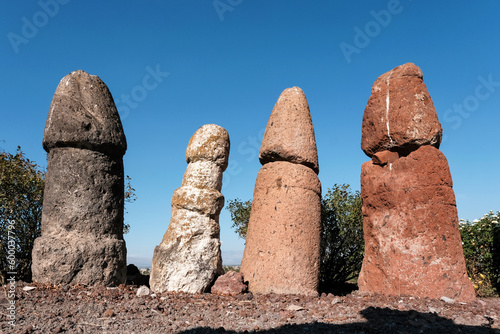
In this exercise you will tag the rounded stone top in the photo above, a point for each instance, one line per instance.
(210, 142)
(289, 133)
(400, 115)
(83, 114)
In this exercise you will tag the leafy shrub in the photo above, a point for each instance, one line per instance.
(481, 244)
(21, 195)
(231, 268)
(342, 242)
(240, 215)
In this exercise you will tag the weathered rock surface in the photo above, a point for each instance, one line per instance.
(229, 284)
(82, 219)
(83, 114)
(282, 245)
(412, 241)
(283, 240)
(400, 114)
(289, 133)
(189, 258)
(143, 291)
(385, 157)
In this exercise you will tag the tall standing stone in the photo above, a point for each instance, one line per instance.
(82, 219)
(412, 240)
(188, 258)
(283, 239)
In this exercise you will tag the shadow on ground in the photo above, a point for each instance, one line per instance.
(339, 289)
(378, 320)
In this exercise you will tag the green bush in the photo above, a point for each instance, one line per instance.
(21, 195)
(342, 242)
(481, 244)
(240, 215)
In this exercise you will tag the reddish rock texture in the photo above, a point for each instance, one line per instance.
(229, 284)
(282, 244)
(400, 114)
(384, 157)
(289, 133)
(412, 241)
(283, 240)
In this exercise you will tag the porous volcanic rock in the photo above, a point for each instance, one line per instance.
(229, 284)
(410, 222)
(384, 157)
(400, 115)
(82, 219)
(189, 259)
(289, 134)
(412, 241)
(283, 240)
(83, 114)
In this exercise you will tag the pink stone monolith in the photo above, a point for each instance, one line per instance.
(283, 240)
(410, 222)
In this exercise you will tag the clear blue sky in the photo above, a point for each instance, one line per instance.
(228, 65)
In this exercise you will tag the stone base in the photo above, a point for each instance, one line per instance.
(412, 242)
(189, 257)
(72, 259)
(283, 241)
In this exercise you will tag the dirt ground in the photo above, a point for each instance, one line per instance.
(78, 309)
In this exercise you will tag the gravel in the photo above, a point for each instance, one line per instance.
(80, 309)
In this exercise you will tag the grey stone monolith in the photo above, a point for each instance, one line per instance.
(81, 238)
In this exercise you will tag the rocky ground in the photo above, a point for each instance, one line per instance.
(79, 309)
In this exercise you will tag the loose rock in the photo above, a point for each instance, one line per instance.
(229, 284)
(447, 300)
(143, 291)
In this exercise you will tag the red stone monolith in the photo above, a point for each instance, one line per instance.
(412, 242)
